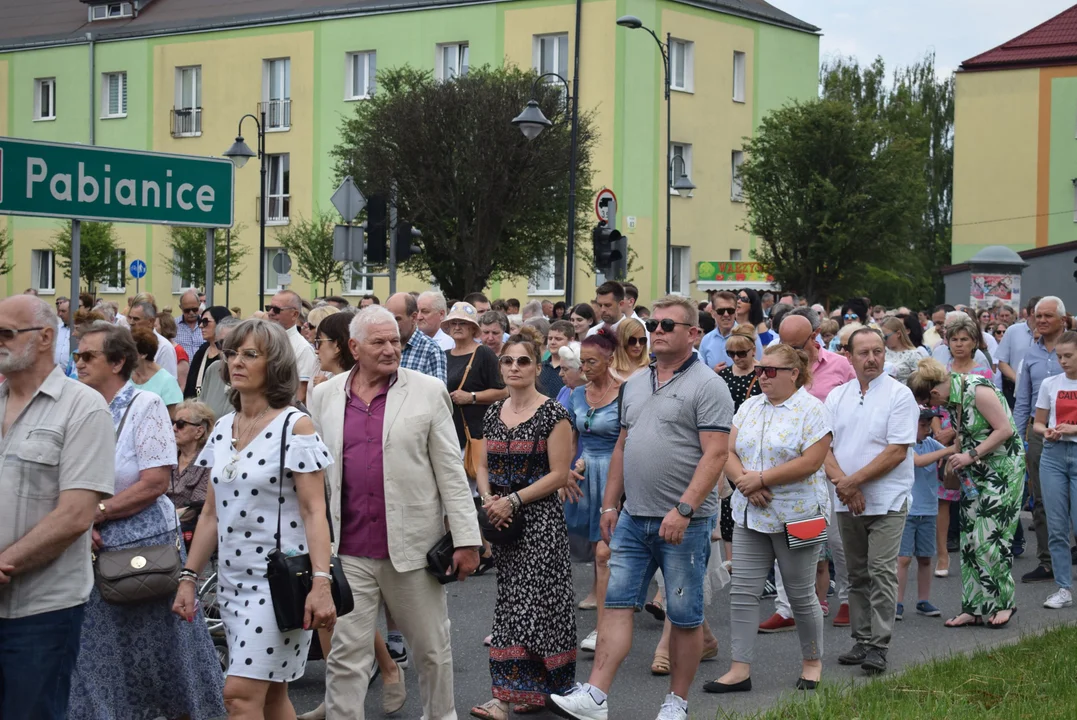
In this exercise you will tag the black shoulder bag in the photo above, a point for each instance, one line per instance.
(290, 576)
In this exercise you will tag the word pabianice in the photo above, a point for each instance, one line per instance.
(123, 191)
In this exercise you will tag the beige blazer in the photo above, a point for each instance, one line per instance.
(424, 474)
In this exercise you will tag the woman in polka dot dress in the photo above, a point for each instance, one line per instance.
(239, 519)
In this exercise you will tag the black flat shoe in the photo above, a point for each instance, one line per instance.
(716, 687)
(486, 562)
(803, 684)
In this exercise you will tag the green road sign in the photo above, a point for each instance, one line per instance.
(85, 182)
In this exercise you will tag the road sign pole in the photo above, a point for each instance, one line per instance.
(76, 264)
(392, 243)
(211, 255)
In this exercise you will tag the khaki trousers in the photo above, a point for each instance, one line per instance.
(418, 605)
(871, 552)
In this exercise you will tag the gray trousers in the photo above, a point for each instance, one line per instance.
(754, 553)
(872, 543)
(1039, 513)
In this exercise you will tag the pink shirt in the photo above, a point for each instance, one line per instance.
(830, 371)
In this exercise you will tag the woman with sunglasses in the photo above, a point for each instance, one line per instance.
(208, 353)
(523, 462)
(187, 491)
(583, 319)
(750, 312)
(630, 355)
(901, 354)
(331, 346)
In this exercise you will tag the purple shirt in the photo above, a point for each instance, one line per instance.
(362, 497)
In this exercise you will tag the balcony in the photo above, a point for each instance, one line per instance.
(278, 114)
(186, 122)
(277, 207)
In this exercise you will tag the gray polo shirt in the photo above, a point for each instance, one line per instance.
(662, 447)
(63, 440)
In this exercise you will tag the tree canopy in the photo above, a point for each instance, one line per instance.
(310, 243)
(97, 254)
(186, 256)
(5, 246)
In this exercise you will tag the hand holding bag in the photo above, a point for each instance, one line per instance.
(515, 529)
(439, 560)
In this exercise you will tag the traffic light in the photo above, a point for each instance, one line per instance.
(403, 241)
(619, 257)
(611, 252)
(377, 247)
(603, 248)
(1075, 271)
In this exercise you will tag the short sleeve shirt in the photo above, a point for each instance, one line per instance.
(483, 375)
(305, 360)
(1059, 395)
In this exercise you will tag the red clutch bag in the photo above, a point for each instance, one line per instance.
(804, 533)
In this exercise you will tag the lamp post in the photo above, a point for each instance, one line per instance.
(634, 23)
(239, 154)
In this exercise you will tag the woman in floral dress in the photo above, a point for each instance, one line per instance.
(527, 451)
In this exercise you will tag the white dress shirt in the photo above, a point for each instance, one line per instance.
(306, 361)
(445, 341)
(863, 426)
(166, 354)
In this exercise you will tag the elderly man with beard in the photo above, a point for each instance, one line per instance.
(874, 418)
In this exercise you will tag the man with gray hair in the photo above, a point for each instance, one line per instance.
(532, 309)
(56, 465)
(418, 352)
(144, 313)
(432, 310)
(188, 333)
(286, 310)
(214, 390)
(395, 476)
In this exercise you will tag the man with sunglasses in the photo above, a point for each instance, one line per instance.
(284, 310)
(56, 465)
(712, 346)
(188, 332)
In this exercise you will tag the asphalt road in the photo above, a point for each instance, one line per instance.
(636, 694)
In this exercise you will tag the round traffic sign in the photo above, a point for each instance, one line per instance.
(605, 195)
(282, 262)
(138, 269)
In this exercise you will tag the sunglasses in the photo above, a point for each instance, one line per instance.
(739, 354)
(667, 325)
(247, 355)
(204, 322)
(851, 316)
(524, 361)
(769, 371)
(181, 424)
(274, 310)
(1000, 331)
(587, 420)
(86, 356)
(8, 334)
(725, 311)
(743, 299)
(189, 310)
(634, 341)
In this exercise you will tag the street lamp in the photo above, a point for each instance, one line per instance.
(681, 182)
(634, 23)
(532, 122)
(239, 154)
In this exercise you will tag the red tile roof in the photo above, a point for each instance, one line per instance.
(1052, 43)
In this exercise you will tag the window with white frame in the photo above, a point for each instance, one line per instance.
(277, 93)
(551, 279)
(45, 99)
(188, 107)
(681, 269)
(452, 61)
(550, 54)
(117, 276)
(111, 11)
(272, 279)
(736, 184)
(361, 75)
(740, 75)
(680, 65)
(278, 183)
(355, 283)
(114, 95)
(42, 270)
(735, 255)
(680, 162)
(179, 282)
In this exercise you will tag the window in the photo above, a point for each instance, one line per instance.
(361, 71)
(356, 283)
(179, 282)
(735, 255)
(551, 279)
(42, 270)
(277, 189)
(681, 269)
(45, 99)
(452, 61)
(680, 65)
(740, 70)
(276, 93)
(187, 113)
(273, 283)
(114, 95)
(680, 156)
(111, 11)
(117, 278)
(551, 54)
(737, 188)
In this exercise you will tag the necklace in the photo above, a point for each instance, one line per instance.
(229, 473)
(598, 403)
(520, 411)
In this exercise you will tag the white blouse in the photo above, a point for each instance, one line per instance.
(146, 441)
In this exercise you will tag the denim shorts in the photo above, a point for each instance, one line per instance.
(637, 551)
(918, 539)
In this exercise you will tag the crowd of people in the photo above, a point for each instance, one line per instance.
(749, 440)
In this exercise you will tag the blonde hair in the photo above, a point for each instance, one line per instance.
(315, 316)
(744, 335)
(795, 358)
(828, 327)
(691, 312)
(846, 332)
(622, 364)
(928, 373)
(201, 414)
(895, 325)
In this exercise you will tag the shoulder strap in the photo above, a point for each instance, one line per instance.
(280, 484)
(468, 368)
(748, 394)
(123, 420)
(201, 373)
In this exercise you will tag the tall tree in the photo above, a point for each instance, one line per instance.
(490, 204)
(5, 247)
(828, 196)
(97, 254)
(310, 243)
(186, 256)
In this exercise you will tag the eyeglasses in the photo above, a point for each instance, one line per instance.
(523, 361)
(739, 354)
(181, 424)
(86, 356)
(204, 322)
(634, 341)
(274, 310)
(247, 355)
(725, 311)
(189, 310)
(769, 371)
(667, 325)
(8, 334)
(317, 343)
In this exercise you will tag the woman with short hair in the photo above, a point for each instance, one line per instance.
(742, 382)
(150, 376)
(630, 355)
(192, 422)
(571, 371)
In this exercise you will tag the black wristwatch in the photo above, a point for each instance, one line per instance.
(686, 510)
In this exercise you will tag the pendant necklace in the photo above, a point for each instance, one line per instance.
(230, 470)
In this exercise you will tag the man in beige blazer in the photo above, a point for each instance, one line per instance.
(396, 475)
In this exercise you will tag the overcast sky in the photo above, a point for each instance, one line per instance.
(901, 31)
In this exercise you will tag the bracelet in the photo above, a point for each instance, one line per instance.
(325, 575)
(189, 578)
(188, 573)
(516, 501)
(606, 510)
(762, 482)
(489, 496)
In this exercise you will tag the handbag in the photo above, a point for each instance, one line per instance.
(140, 574)
(291, 576)
(515, 529)
(471, 448)
(439, 559)
(805, 533)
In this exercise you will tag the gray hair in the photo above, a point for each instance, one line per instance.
(437, 297)
(147, 309)
(281, 373)
(117, 345)
(532, 309)
(106, 311)
(296, 299)
(1056, 300)
(806, 312)
(44, 316)
(777, 312)
(958, 321)
(494, 317)
(225, 326)
(539, 323)
(371, 315)
(570, 355)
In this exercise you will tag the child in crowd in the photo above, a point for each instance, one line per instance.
(918, 539)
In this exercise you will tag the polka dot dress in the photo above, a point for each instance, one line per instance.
(246, 526)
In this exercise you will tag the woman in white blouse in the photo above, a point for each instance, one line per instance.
(777, 446)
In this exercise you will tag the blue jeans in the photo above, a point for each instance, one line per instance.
(1058, 486)
(636, 552)
(37, 656)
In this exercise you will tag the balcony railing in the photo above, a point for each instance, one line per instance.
(278, 114)
(186, 122)
(277, 207)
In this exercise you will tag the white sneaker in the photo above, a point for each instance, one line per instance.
(1060, 599)
(672, 709)
(578, 704)
(590, 641)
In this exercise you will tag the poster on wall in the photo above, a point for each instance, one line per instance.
(986, 290)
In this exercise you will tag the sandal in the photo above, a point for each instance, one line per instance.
(527, 708)
(588, 604)
(660, 664)
(486, 562)
(655, 608)
(999, 626)
(977, 621)
(709, 654)
(491, 710)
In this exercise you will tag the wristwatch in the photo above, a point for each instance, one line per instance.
(686, 510)
(474, 400)
(102, 509)
(974, 454)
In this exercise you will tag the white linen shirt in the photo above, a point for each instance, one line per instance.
(166, 354)
(863, 426)
(444, 340)
(306, 361)
(772, 435)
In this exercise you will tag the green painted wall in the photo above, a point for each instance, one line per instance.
(786, 68)
(134, 131)
(1061, 227)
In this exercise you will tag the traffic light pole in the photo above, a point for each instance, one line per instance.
(570, 246)
(391, 236)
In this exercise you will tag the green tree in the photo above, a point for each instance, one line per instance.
(829, 196)
(186, 256)
(5, 247)
(97, 254)
(310, 243)
(490, 204)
